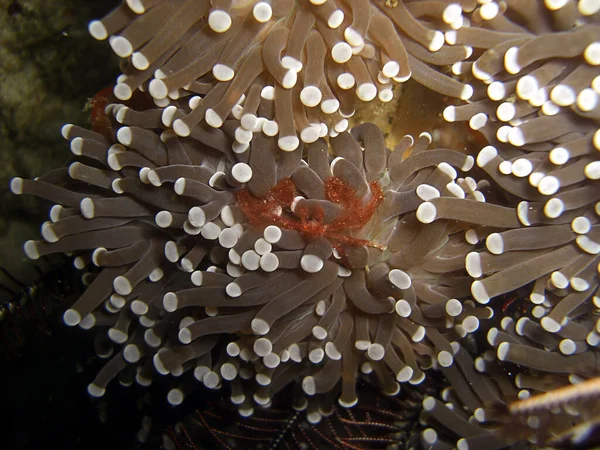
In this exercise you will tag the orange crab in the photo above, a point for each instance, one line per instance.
(275, 208)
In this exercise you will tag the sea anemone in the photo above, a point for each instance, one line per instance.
(319, 264)
(538, 117)
(536, 79)
(243, 236)
(292, 69)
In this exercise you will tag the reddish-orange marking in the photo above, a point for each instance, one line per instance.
(100, 121)
(275, 209)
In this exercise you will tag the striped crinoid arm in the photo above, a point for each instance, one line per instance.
(562, 417)
(379, 421)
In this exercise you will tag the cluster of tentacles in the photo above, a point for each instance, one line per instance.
(248, 239)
